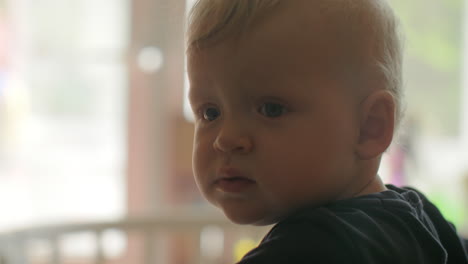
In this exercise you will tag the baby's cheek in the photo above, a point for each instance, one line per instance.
(202, 160)
(199, 164)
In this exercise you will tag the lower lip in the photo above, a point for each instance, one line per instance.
(234, 186)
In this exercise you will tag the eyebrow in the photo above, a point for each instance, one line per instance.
(195, 93)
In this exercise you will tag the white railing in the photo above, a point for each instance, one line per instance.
(14, 246)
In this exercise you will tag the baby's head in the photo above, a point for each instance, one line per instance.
(295, 101)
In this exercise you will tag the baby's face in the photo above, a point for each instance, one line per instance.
(274, 129)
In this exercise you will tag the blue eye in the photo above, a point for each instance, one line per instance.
(272, 110)
(210, 113)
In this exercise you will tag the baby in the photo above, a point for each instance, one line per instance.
(295, 102)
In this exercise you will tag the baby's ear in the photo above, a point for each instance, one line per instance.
(377, 122)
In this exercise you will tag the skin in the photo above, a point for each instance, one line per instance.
(324, 145)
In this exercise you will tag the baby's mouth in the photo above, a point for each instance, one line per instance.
(231, 180)
(233, 184)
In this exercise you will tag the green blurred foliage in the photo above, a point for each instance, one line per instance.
(450, 207)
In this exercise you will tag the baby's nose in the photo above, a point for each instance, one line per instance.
(232, 140)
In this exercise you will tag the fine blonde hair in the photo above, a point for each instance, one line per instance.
(212, 20)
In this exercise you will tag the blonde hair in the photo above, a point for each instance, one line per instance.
(390, 63)
(212, 20)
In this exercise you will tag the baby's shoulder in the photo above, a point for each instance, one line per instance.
(380, 228)
(299, 242)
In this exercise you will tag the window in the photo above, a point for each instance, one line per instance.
(62, 110)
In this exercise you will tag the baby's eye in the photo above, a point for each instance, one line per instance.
(272, 109)
(210, 113)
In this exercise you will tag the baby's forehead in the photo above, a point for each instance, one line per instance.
(292, 31)
(236, 17)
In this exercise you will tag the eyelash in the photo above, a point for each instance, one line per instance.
(282, 109)
(202, 114)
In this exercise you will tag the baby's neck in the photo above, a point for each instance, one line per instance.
(374, 185)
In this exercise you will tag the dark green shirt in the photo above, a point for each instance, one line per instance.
(398, 225)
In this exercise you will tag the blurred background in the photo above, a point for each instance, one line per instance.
(95, 136)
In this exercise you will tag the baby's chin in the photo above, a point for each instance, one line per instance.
(242, 218)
